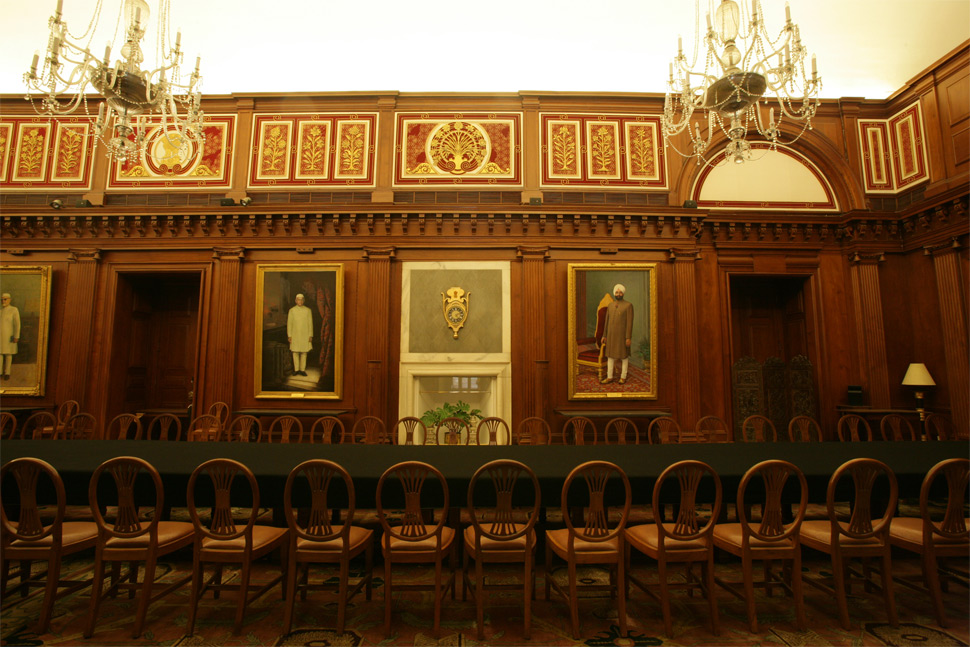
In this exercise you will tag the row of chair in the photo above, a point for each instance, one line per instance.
(215, 426)
(498, 532)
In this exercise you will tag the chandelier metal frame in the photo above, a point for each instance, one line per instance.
(136, 101)
(745, 71)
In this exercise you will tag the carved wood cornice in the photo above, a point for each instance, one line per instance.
(229, 253)
(84, 255)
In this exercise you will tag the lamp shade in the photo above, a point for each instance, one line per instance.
(917, 375)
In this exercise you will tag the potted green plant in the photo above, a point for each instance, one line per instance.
(432, 417)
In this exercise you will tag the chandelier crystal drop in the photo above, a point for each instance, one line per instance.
(136, 100)
(743, 79)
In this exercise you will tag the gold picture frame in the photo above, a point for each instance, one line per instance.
(26, 318)
(591, 291)
(280, 372)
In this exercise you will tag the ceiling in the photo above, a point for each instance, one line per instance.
(865, 48)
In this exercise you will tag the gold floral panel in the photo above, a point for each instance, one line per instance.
(323, 149)
(470, 149)
(40, 154)
(602, 150)
(170, 161)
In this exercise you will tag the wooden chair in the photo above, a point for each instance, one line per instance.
(204, 428)
(596, 542)
(66, 409)
(590, 350)
(323, 428)
(684, 541)
(165, 426)
(223, 541)
(772, 539)
(26, 539)
(245, 428)
(758, 429)
(620, 428)
(80, 426)
(124, 426)
(496, 432)
(854, 428)
(410, 431)
(579, 430)
(318, 541)
(663, 430)
(8, 425)
(284, 429)
(452, 431)
(533, 431)
(369, 430)
(893, 426)
(804, 429)
(38, 425)
(861, 536)
(130, 539)
(935, 541)
(416, 540)
(221, 411)
(497, 535)
(939, 427)
(711, 429)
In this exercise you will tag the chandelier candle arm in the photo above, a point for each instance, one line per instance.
(134, 99)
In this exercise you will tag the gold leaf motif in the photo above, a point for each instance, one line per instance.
(274, 152)
(135, 171)
(69, 162)
(31, 153)
(602, 147)
(203, 171)
(352, 150)
(313, 151)
(458, 148)
(641, 152)
(3, 143)
(491, 168)
(564, 150)
(422, 169)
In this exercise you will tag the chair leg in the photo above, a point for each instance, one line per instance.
(387, 596)
(342, 601)
(479, 598)
(50, 592)
(197, 576)
(548, 571)
(664, 597)
(838, 571)
(931, 575)
(145, 596)
(528, 591)
(4, 577)
(749, 592)
(712, 601)
(797, 592)
(290, 594)
(573, 602)
(621, 594)
(437, 596)
(243, 595)
(887, 587)
(97, 585)
(132, 579)
(369, 571)
(24, 576)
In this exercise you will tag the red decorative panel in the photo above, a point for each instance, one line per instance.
(586, 150)
(166, 163)
(876, 158)
(471, 149)
(326, 149)
(894, 151)
(909, 147)
(37, 154)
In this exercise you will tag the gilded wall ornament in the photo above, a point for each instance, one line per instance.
(454, 306)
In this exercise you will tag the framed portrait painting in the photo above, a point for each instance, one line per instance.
(24, 323)
(612, 331)
(299, 330)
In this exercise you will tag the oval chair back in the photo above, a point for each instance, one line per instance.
(324, 430)
(496, 432)
(804, 429)
(533, 431)
(758, 429)
(124, 426)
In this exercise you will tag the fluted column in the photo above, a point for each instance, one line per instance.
(688, 375)
(870, 328)
(533, 350)
(74, 363)
(217, 375)
(951, 292)
(376, 335)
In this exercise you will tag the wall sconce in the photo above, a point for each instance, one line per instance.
(245, 201)
(57, 204)
(917, 376)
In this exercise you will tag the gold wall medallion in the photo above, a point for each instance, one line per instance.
(454, 306)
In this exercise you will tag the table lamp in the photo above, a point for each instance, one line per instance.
(917, 376)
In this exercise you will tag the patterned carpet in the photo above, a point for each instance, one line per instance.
(315, 619)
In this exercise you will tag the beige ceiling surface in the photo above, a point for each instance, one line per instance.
(865, 48)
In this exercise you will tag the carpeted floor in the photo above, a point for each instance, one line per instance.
(315, 619)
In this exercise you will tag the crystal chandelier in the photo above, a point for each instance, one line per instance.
(135, 100)
(745, 72)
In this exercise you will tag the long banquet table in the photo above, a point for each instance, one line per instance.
(271, 463)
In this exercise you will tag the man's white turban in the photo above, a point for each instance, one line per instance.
(620, 287)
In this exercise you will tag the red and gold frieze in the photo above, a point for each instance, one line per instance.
(471, 149)
(40, 154)
(168, 161)
(324, 149)
(893, 151)
(602, 150)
